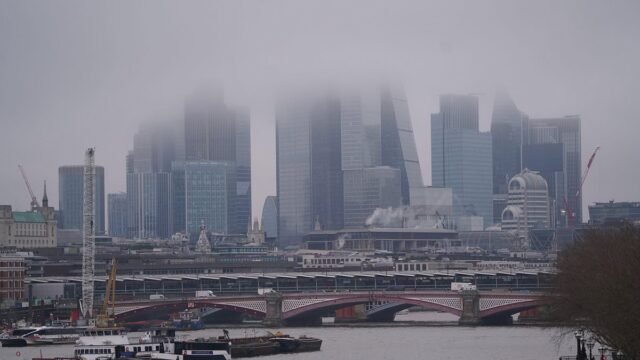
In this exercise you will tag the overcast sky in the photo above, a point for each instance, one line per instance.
(75, 74)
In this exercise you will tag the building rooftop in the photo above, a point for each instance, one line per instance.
(28, 217)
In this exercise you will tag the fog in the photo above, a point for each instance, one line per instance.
(75, 74)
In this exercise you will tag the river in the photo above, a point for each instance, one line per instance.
(392, 342)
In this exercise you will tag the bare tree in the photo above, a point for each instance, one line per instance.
(598, 288)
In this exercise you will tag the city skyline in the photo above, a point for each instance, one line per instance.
(105, 113)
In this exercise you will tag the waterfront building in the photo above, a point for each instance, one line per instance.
(12, 275)
(216, 131)
(602, 213)
(71, 197)
(527, 204)
(547, 142)
(270, 218)
(28, 229)
(384, 239)
(326, 141)
(117, 211)
(461, 156)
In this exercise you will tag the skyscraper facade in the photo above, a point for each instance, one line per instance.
(155, 147)
(71, 193)
(528, 204)
(270, 217)
(117, 211)
(215, 131)
(209, 196)
(461, 156)
(506, 137)
(326, 142)
(547, 142)
(148, 205)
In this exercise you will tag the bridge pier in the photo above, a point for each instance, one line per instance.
(470, 308)
(273, 315)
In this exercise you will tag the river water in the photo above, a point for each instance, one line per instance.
(391, 342)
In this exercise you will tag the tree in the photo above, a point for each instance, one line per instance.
(598, 288)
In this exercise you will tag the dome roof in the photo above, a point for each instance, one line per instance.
(529, 180)
(511, 212)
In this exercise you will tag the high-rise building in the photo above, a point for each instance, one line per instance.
(325, 141)
(461, 156)
(215, 131)
(506, 137)
(117, 211)
(148, 214)
(155, 147)
(71, 193)
(270, 218)
(368, 189)
(209, 196)
(527, 204)
(553, 147)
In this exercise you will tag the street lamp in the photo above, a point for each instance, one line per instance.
(602, 351)
(578, 334)
(590, 343)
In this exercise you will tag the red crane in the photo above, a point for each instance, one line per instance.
(34, 200)
(567, 209)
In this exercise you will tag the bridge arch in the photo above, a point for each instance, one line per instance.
(511, 308)
(253, 308)
(293, 308)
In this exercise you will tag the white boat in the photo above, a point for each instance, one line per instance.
(42, 335)
(197, 350)
(114, 343)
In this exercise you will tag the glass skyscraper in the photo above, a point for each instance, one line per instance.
(506, 136)
(71, 192)
(461, 156)
(326, 142)
(215, 131)
(208, 196)
(270, 217)
(117, 210)
(155, 147)
(550, 144)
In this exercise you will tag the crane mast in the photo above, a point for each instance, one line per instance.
(34, 200)
(567, 208)
(88, 235)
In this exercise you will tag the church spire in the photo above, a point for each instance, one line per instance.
(45, 199)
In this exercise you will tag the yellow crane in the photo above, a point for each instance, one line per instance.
(109, 303)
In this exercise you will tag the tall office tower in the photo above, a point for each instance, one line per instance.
(368, 189)
(326, 141)
(215, 131)
(117, 211)
(553, 148)
(270, 218)
(461, 156)
(71, 193)
(155, 147)
(506, 136)
(208, 195)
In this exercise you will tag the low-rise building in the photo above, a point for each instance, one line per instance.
(28, 229)
(12, 273)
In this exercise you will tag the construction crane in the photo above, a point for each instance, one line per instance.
(34, 200)
(567, 208)
(88, 235)
(104, 317)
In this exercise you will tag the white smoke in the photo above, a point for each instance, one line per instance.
(403, 217)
